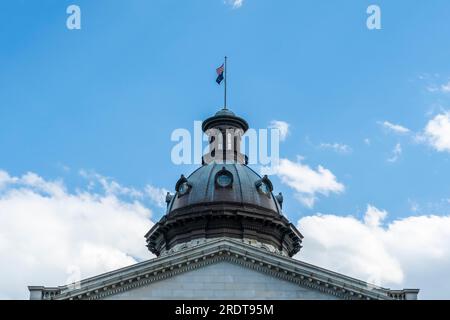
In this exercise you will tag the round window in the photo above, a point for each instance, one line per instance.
(264, 188)
(183, 188)
(224, 180)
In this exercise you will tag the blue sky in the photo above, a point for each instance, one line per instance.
(107, 97)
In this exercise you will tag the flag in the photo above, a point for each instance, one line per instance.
(220, 70)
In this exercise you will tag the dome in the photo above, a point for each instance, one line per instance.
(242, 189)
(224, 198)
(225, 112)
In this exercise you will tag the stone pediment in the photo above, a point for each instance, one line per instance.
(222, 255)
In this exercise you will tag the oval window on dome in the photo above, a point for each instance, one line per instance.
(224, 178)
(264, 186)
(184, 188)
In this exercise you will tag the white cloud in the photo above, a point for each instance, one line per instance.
(282, 127)
(234, 3)
(445, 87)
(409, 252)
(308, 183)
(374, 216)
(110, 186)
(435, 83)
(157, 195)
(367, 141)
(336, 147)
(396, 128)
(396, 153)
(5, 179)
(46, 232)
(432, 89)
(437, 132)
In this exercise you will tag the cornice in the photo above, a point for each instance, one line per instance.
(228, 250)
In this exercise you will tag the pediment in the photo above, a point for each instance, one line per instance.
(222, 280)
(202, 262)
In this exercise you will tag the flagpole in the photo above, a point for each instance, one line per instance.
(225, 94)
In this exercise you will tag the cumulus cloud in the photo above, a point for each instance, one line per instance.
(396, 128)
(396, 153)
(110, 186)
(336, 147)
(48, 233)
(234, 3)
(157, 195)
(441, 88)
(5, 179)
(282, 127)
(307, 182)
(437, 132)
(408, 252)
